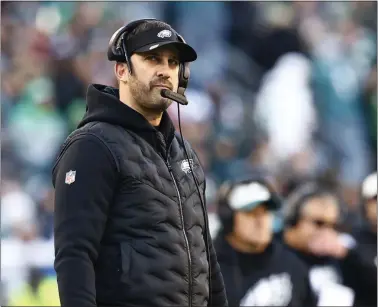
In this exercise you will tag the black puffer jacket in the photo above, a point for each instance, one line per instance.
(129, 225)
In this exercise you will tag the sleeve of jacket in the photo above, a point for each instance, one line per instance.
(80, 217)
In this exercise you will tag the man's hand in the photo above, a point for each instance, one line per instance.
(327, 243)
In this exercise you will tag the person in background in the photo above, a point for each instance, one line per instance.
(341, 66)
(38, 290)
(257, 270)
(357, 254)
(312, 214)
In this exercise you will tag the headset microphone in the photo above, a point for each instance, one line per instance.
(181, 99)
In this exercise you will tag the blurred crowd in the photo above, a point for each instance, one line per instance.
(280, 88)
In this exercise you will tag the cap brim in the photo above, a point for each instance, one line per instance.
(185, 52)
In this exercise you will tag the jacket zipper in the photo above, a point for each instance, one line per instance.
(184, 232)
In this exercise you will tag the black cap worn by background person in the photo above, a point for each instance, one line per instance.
(158, 37)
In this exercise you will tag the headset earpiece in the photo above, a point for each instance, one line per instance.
(293, 204)
(184, 73)
(114, 52)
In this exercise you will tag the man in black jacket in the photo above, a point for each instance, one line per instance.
(131, 225)
(358, 258)
(312, 217)
(257, 269)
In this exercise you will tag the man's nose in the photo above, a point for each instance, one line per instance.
(164, 70)
(163, 74)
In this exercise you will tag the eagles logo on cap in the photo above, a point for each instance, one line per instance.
(164, 33)
(158, 37)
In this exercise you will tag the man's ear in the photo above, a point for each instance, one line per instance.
(121, 72)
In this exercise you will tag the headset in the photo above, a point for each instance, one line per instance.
(291, 211)
(117, 51)
(226, 213)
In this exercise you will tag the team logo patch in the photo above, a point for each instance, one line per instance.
(185, 166)
(70, 177)
(274, 290)
(164, 33)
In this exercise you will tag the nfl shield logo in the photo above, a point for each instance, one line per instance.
(70, 177)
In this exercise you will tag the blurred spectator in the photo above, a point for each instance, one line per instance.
(359, 258)
(313, 212)
(39, 290)
(257, 269)
(18, 213)
(35, 127)
(46, 215)
(341, 66)
(195, 20)
(285, 111)
(370, 108)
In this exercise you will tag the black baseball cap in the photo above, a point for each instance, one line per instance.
(158, 37)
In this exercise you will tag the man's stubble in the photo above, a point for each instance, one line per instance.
(147, 97)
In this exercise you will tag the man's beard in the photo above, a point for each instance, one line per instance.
(147, 96)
